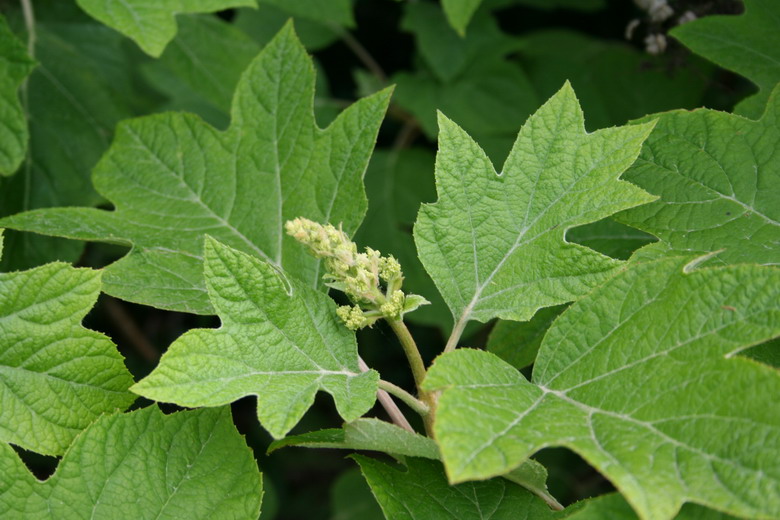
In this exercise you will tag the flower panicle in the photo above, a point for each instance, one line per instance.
(360, 276)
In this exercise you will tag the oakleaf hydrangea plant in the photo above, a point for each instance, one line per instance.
(600, 294)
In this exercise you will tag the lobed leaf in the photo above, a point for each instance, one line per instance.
(15, 66)
(494, 244)
(174, 178)
(717, 176)
(142, 465)
(56, 377)
(150, 23)
(641, 378)
(748, 44)
(280, 341)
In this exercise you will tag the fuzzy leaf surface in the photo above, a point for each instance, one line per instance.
(150, 23)
(56, 377)
(494, 244)
(280, 340)
(641, 379)
(142, 465)
(173, 178)
(748, 44)
(718, 179)
(422, 492)
(15, 66)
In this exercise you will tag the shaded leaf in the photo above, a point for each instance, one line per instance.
(173, 178)
(280, 341)
(610, 238)
(517, 342)
(56, 377)
(614, 81)
(337, 12)
(81, 88)
(421, 492)
(142, 465)
(15, 66)
(150, 23)
(718, 178)
(748, 44)
(351, 498)
(494, 244)
(641, 379)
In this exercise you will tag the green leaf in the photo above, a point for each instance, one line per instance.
(279, 340)
(142, 465)
(641, 379)
(337, 12)
(56, 377)
(173, 178)
(494, 244)
(459, 13)
(422, 492)
(81, 88)
(518, 342)
(365, 434)
(150, 23)
(748, 44)
(15, 66)
(718, 178)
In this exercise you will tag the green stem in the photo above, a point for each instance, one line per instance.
(410, 349)
(418, 370)
(29, 22)
(413, 403)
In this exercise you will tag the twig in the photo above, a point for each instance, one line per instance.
(413, 403)
(29, 22)
(457, 331)
(396, 415)
(125, 322)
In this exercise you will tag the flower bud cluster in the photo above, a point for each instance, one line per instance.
(361, 276)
